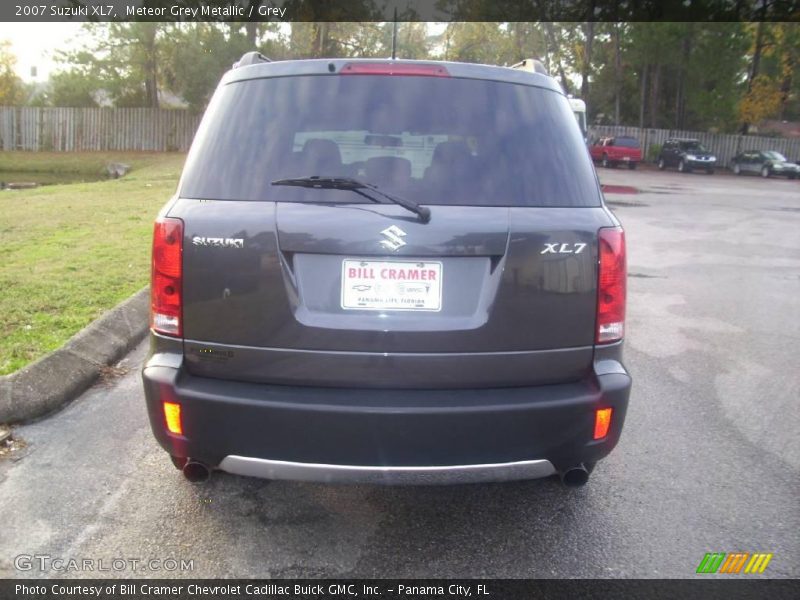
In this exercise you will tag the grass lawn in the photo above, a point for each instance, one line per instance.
(70, 252)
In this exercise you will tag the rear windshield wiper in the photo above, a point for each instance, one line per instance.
(359, 187)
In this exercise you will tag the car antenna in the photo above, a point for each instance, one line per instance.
(394, 35)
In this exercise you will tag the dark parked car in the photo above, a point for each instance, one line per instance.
(687, 155)
(387, 271)
(765, 163)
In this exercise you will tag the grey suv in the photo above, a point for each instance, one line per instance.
(387, 271)
(687, 154)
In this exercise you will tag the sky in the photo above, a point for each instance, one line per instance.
(34, 45)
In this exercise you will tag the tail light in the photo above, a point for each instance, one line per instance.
(394, 68)
(611, 286)
(166, 280)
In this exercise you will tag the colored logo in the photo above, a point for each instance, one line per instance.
(734, 562)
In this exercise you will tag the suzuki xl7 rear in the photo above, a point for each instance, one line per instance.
(387, 271)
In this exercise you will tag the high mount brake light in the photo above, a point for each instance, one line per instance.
(166, 282)
(391, 68)
(611, 282)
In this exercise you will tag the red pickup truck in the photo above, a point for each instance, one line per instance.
(611, 151)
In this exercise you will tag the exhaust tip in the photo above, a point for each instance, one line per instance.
(575, 476)
(196, 472)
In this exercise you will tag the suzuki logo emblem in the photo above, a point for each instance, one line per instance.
(394, 238)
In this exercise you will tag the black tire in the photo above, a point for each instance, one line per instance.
(710, 170)
(765, 172)
(632, 166)
(737, 170)
(661, 164)
(605, 162)
(792, 176)
(178, 461)
(683, 167)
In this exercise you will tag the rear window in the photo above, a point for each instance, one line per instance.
(626, 142)
(696, 146)
(430, 139)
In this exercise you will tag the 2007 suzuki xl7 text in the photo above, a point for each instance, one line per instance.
(387, 271)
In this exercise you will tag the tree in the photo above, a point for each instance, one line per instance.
(762, 100)
(528, 41)
(714, 76)
(126, 57)
(479, 42)
(613, 95)
(556, 53)
(412, 40)
(73, 88)
(195, 56)
(588, 31)
(11, 89)
(780, 61)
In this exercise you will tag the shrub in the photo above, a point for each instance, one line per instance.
(653, 151)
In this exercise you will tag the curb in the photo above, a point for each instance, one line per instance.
(61, 376)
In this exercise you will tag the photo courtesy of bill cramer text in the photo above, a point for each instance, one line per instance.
(394, 589)
(262, 590)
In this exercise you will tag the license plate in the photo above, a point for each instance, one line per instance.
(391, 285)
(626, 159)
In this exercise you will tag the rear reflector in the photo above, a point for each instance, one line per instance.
(612, 273)
(602, 421)
(172, 415)
(167, 277)
(391, 68)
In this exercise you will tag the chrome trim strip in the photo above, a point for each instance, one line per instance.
(436, 475)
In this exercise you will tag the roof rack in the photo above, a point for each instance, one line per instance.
(250, 58)
(532, 65)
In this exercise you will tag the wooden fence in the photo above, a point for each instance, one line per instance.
(76, 129)
(156, 129)
(724, 147)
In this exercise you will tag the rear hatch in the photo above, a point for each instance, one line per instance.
(316, 286)
(628, 149)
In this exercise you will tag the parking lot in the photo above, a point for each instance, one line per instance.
(709, 460)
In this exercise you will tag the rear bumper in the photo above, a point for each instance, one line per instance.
(702, 164)
(385, 436)
(279, 469)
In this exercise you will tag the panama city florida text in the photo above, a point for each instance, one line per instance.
(254, 589)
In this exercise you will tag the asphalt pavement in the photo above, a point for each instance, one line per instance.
(709, 459)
